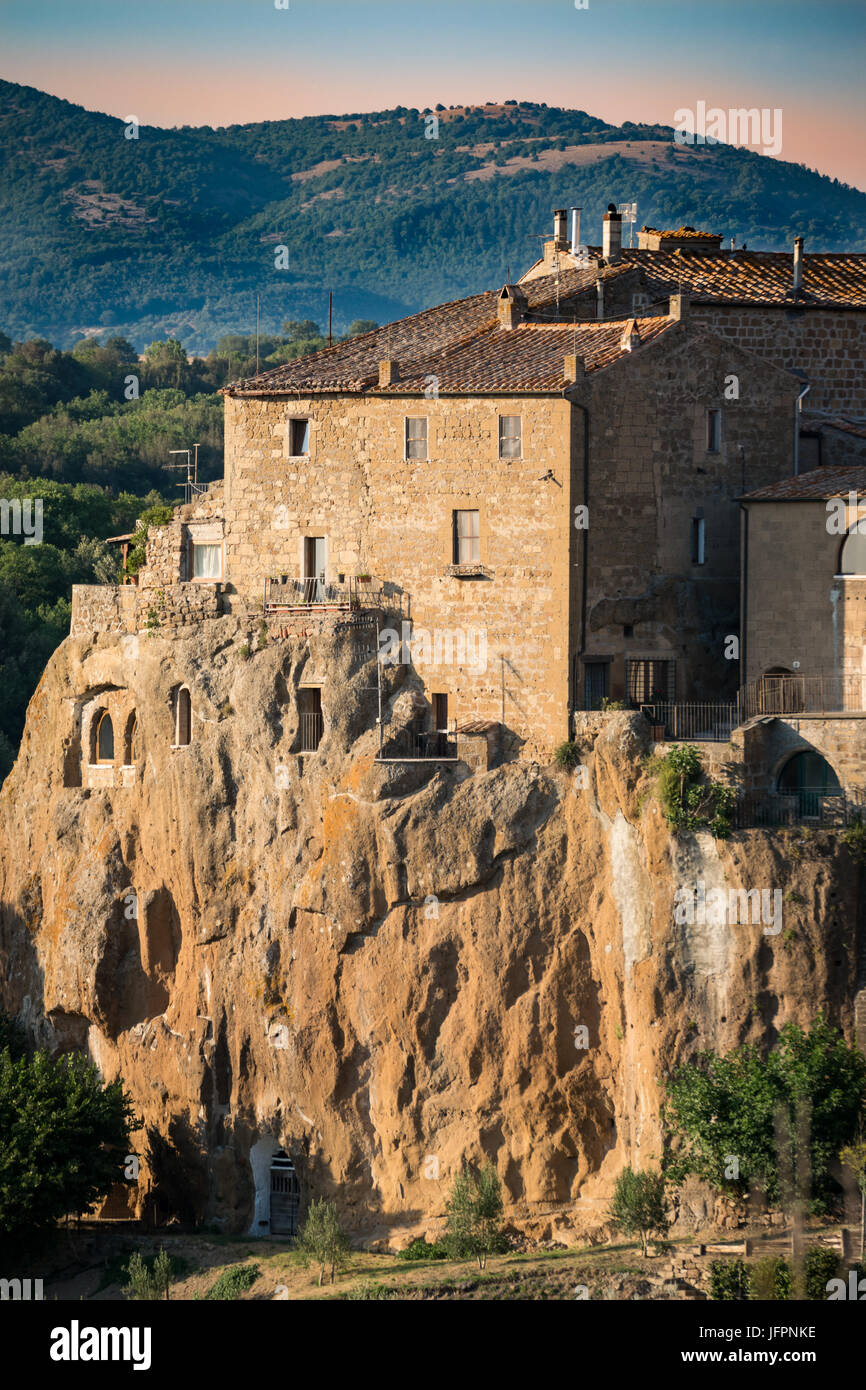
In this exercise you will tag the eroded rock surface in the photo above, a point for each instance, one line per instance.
(383, 968)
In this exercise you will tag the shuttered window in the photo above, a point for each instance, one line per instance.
(467, 544)
(510, 436)
(416, 437)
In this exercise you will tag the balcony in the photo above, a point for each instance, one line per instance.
(835, 692)
(285, 595)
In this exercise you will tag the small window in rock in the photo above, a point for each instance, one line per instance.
(714, 431)
(182, 718)
(299, 438)
(311, 719)
(510, 436)
(416, 437)
(132, 749)
(104, 738)
(440, 712)
(467, 538)
(206, 560)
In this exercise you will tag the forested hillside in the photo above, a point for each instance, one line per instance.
(176, 232)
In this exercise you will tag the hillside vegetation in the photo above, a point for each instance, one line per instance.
(176, 232)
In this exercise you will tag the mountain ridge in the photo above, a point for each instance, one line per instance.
(175, 232)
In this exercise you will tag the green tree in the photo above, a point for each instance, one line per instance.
(65, 1138)
(639, 1205)
(474, 1211)
(149, 1279)
(719, 1111)
(322, 1238)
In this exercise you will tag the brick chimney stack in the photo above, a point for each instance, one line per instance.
(387, 373)
(611, 240)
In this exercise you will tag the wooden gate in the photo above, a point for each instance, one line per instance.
(285, 1195)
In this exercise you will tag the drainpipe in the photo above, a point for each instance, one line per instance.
(584, 564)
(797, 411)
(744, 596)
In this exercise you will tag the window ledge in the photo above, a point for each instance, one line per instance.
(474, 571)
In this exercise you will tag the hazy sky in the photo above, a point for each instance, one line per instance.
(219, 62)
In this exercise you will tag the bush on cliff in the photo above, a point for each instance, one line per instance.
(66, 1134)
(724, 1114)
(690, 800)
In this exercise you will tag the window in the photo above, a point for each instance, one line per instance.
(698, 540)
(594, 684)
(132, 747)
(299, 438)
(416, 437)
(104, 738)
(467, 543)
(809, 777)
(510, 436)
(182, 718)
(310, 719)
(714, 431)
(206, 560)
(649, 679)
(854, 552)
(440, 712)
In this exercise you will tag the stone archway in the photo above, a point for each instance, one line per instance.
(277, 1191)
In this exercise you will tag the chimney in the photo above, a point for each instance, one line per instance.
(560, 229)
(611, 238)
(575, 230)
(631, 337)
(511, 306)
(574, 367)
(679, 306)
(798, 266)
(387, 373)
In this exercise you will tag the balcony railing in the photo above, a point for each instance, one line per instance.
(806, 806)
(704, 721)
(286, 594)
(836, 692)
(412, 745)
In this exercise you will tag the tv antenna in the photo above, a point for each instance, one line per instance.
(191, 485)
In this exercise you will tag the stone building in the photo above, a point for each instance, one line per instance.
(533, 492)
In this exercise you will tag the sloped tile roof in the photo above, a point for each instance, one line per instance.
(461, 349)
(852, 427)
(819, 485)
(756, 277)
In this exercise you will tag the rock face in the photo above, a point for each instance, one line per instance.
(382, 968)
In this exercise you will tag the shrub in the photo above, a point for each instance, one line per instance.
(150, 1276)
(567, 756)
(639, 1205)
(854, 839)
(474, 1209)
(688, 799)
(820, 1265)
(770, 1280)
(154, 516)
(607, 704)
(322, 1239)
(233, 1282)
(729, 1281)
(418, 1249)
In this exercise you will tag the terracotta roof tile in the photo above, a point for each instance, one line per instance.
(819, 485)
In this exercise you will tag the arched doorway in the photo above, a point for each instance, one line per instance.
(809, 777)
(285, 1195)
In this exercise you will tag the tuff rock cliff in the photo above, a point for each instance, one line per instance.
(383, 968)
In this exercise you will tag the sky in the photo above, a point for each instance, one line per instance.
(223, 62)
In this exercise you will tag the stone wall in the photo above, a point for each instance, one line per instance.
(102, 608)
(650, 475)
(130, 608)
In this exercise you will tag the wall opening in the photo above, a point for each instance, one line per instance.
(103, 740)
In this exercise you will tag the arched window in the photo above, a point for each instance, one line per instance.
(132, 742)
(810, 777)
(182, 717)
(104, 738)
(853, 559)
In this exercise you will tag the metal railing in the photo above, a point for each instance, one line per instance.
(703, 721)
(286, 593)
(312, 726)
(754, 809)
(413, 745)
(833, 692)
